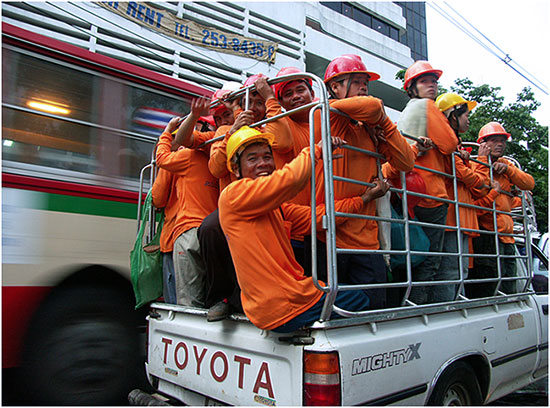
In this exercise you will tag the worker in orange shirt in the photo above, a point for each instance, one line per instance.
(457, 110)
(257, 219)
(213, 246)
(492, 139)
(197, 192)
(422, 119)
(188, 135)
(364, 125)
(292, 95)
(224, 294)
(164, 196)
(164, 189)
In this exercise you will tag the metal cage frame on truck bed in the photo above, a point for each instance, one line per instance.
(406, 307)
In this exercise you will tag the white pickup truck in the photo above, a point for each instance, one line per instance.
(461, 352)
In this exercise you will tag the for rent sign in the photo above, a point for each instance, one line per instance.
(167, 23)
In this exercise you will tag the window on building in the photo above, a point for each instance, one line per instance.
(334, 5)
(347, 10)
(380, 26)
(414, 13)
(394, 33)
(361, 17)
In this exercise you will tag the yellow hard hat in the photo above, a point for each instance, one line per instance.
(448, 100)
(243, 137)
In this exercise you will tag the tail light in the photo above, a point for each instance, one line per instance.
(322, 379)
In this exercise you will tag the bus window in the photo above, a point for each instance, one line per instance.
(71, 119)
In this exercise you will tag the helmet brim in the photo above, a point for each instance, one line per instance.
(436, 72)
(373, 76)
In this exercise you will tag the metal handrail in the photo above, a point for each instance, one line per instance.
(321, 109)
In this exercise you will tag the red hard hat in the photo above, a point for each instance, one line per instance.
(415, 183)
(208, 119)
(218, 95)
(348, 64)
(250, 80)
(417, 69)
(280, 86)
(491, 129)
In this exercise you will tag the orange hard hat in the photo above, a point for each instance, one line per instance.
(492, 129)
(348, 64)
(417, 69)
(219, 94)
(415, 183)
(279, 87)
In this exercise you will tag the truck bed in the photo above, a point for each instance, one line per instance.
(388, 357)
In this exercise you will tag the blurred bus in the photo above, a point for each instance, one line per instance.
(77, 127)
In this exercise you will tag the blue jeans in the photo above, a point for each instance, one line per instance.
(353, 269)
(449, 268)
(354, 301)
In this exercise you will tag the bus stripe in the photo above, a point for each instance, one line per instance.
(72, 198)
(67, 188)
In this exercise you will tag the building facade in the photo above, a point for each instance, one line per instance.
(389, 36)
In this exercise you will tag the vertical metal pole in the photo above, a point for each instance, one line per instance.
(313, 194)
(406, 227)
(527, 240)
(495, 225)
(246, 99)
(332, 273)
(459, 229)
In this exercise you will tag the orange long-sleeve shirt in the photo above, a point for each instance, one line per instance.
(300, 139)
(201, 137)
(503, 202)
(165, 196)
(467, 178)
(421, 117)
(359, 233)
(196, 188)
(278, 128)
(274, 289)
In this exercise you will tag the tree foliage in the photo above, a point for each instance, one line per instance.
(529, 144)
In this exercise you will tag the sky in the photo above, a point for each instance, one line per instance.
(520, 28)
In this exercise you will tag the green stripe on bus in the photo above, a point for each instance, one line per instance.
(90, 206)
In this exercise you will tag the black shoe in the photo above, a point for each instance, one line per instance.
(218, 312)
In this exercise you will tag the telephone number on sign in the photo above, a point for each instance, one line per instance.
(214, 39)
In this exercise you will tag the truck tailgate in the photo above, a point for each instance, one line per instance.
(230, 361)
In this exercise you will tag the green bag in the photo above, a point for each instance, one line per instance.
(418, 240)
(146, 261)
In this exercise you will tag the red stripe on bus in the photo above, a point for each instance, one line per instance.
(155, 78)
(18, 305)
(66, 188)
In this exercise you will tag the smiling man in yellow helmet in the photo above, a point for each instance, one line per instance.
(257, 220)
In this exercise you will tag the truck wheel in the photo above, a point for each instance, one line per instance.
(457, 386)
(82, 349)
